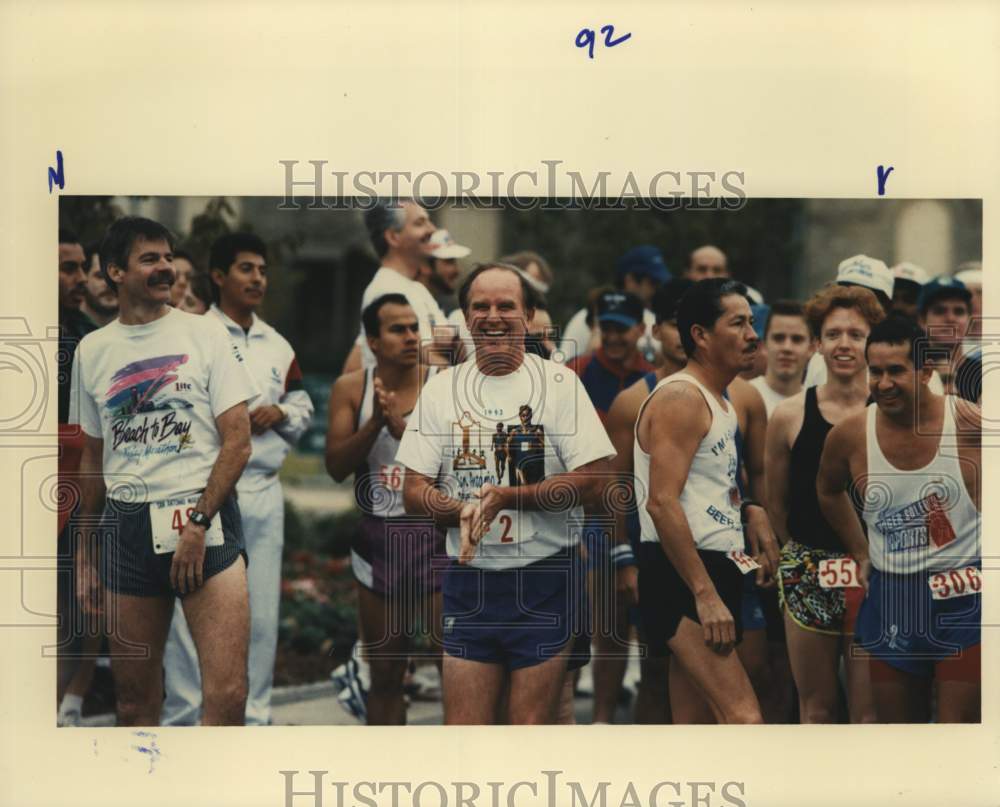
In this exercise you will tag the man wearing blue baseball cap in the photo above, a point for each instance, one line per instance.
(945, 309)
(640, 271)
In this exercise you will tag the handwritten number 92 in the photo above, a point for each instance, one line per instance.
(587, 38)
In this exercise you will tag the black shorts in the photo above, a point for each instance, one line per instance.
(664, 596)
(130, 566)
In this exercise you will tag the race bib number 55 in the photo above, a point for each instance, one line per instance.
(838, 573)
(956, 583)
(167, 519)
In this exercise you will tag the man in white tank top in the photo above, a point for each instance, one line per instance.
(691, 561)
(914, 458)
(393, 556)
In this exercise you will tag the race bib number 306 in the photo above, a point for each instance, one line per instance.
(956, 583)
(167, 519)
(838, 573)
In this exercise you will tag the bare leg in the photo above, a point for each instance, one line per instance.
(688, 704)
(138, 622)
(652, 704)
(610, 641)
(814, 657)
(565, 714)
(386, 654)
(471, 691)
(899, 697)
(535, 690)
(721, 678)
(218, 615)
(857, 664)
(753, 656)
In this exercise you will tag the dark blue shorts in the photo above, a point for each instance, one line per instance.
(130, 566)
(902, 624)
(753, 606)
(517, 617)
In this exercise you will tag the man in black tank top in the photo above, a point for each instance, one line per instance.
(818, 591)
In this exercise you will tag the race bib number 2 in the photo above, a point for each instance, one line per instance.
(501, 531)
(743, 561)
(838, 573)
(167, 519)
(956, 583)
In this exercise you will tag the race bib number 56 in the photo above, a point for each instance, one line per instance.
(956, 583)
(838, 573)
(167, 519)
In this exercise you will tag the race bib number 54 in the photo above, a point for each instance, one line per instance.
(167, 519)
(838, 573)
(743, 561)
(956, 583)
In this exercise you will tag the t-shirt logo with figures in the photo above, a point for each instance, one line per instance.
(518, 452)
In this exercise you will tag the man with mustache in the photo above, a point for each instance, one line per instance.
(278, 419)
(170, 526)
(691, 559)
(913, 459)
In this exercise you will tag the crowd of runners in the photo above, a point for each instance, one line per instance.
(723, 509)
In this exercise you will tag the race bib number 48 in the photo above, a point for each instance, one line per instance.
(956, 583)
(167, 519)
(743, 561)
(838, 573)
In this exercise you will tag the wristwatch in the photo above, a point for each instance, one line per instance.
(200, 519)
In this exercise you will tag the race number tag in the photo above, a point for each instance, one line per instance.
(743, 561)
(167, 519)
(502, 531)
(838, 573)
(956, 583)
(391, 476)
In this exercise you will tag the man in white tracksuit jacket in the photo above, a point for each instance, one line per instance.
(278, 419)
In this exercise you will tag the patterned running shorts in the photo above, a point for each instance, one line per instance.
(825, 610)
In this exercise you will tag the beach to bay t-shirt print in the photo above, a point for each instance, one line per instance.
(146, 403)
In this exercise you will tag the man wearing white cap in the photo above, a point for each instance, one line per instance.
(909, 279)
(869, 273)
(440, 273)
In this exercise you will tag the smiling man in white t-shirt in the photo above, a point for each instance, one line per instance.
(161, 397)
(515, 599)
(401, 234)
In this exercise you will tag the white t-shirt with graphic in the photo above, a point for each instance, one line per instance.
(469, 429)
(152, 392)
